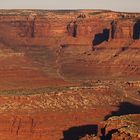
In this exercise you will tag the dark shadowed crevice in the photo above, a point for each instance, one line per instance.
(109, 135)
(125, 108)
(101, 37)
(74, 133)
(136, 30)
(113, 29)
(72, 29)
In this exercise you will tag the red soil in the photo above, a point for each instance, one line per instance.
(40, 53)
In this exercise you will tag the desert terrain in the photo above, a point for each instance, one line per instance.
(69, 75)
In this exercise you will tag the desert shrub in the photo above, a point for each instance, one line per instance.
(86, 84)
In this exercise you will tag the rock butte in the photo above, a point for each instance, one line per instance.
(63, 72)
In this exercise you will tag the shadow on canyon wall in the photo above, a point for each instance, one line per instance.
(72, 29)
(125, 108)
(74, 133)
(101, 37)
(136, 30)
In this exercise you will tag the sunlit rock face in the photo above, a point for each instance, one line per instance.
(118, 128)
(64, 70)
(71, 39)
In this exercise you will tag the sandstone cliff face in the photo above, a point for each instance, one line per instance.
(71, 40)
(18, 26)
(40, 49)
(37, 27)
(90, 27)
(122, 29)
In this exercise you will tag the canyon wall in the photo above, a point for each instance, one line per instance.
(36, 28)
(122, 29)
(41, 51)
(72, 37)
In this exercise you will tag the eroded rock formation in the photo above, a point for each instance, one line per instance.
(118, 128)
(136, 30)
(72, 29)
(39, 26)
(122, 29)
(41, 51)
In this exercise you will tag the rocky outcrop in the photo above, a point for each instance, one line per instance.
(122, 29)
(70, 39)
(90, 27)
(72, 29)
(41, 51)
(35, 26)
(118, 128)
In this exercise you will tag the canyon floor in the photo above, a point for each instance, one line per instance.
(59, 85)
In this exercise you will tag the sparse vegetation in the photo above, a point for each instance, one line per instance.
(33, 91)
(87, 84)
(95, 13)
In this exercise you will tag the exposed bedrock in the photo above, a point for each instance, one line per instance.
(67, 43)
(100, 64)
(118, 128)
(123, 127)
(50, 113)
(48, 60)
(122, 29)
(37, 29)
